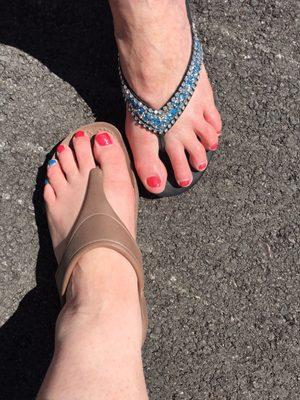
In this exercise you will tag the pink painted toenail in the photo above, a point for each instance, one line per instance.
(202, 166)
(214, 147)
(154, 181)
(184, 183)
(103, 139)
(79, 134)
(60, 148)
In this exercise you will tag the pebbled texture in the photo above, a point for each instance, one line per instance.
(222, 260)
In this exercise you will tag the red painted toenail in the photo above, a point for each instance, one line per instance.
(184, 183)
(103, 139)
(202, 166)
(214, 147)
(79, 134)
(154, 181)
(60, 148)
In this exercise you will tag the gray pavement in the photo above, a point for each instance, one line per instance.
(221, 261)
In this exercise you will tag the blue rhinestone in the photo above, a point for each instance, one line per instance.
(155, 121)
(161, 120)
(171, 115)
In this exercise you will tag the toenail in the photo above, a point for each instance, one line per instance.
(60, 148)
(202, 166)
(214, 147)
(154, 181)
(46, 182)
(51, 162)
(79, 134)
(184, 183)
(103, 139)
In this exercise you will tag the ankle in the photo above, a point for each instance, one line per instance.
(102, 292)
(101, 277)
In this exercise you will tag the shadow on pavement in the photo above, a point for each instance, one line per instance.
(27, 338)
(75, 41)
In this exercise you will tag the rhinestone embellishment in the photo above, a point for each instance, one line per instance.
(161, 120)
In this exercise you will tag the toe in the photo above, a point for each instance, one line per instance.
(67, 161)
(197, 153)
(49, 194)
(56, 176)
(83, 151)
(117, 180)
(144, 147)
(110, 156)
(212, 116)
(182, 170)
(207, 134)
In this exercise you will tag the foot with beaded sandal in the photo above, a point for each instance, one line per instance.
(172, 123)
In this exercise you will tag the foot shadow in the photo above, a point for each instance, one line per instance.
(27, 338)
(75, 41)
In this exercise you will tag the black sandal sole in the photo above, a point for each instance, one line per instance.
(172, 188)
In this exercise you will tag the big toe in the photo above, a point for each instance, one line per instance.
(117, 178)
(144, 147)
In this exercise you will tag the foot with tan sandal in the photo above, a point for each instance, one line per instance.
(172, 123)
(91, 202)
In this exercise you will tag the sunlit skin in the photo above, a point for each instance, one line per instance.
(154, 41)
(94, 358)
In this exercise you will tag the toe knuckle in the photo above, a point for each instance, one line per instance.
(51, 172)
(140, 166)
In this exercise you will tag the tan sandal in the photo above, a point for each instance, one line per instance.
(97, 225)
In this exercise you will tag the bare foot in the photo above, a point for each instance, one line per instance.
(68, 178)
(154, 41)
(99, 329)
(64, 194)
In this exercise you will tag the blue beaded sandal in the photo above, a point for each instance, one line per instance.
(160, 121)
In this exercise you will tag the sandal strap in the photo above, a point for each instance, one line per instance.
(97, 225)
(160, 121)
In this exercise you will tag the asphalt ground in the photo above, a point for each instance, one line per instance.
(221, 261)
